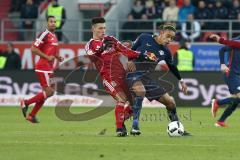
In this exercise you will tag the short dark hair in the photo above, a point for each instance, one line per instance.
(168, 26)
(97, 20)
(50, 17)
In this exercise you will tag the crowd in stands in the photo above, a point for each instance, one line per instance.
(28, 11)
(188, 15)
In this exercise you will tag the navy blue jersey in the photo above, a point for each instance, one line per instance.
(234, 61)
(231, 59)
(146, 43)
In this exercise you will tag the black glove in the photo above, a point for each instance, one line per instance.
(106, 45)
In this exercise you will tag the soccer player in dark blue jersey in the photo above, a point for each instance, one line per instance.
(140, 80)
(230, 66)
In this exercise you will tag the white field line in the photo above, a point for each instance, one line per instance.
(106, 144)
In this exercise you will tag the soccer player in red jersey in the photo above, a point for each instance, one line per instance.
(104, 51)
(45, 46)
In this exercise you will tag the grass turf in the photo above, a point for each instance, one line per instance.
(63, 140)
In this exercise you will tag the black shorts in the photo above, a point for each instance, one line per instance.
(153, 88)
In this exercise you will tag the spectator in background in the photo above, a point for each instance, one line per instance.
(191, 29)
(185, 10)
(202, 13)
(236, 26)
(129, 25)
(145, 25)
(234, 10)
(170, 13)
(184, 58)
(138, 9)
(220, 13)
(16, 5)
(29, 12)
(151, 10)
(58, 11)
(13, 61)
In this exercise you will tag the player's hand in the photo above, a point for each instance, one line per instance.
(50, 58)
(215, 37)
(131, 66)
(108, 42)
(224, 68)
(111, 39)
(184, 87)
(150, 56)
(60, 59)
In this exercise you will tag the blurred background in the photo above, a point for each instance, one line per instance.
(22, 20)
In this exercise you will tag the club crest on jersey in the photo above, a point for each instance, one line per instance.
(113, 83)
(161, 52)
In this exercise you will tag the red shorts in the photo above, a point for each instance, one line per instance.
(45, 79)
(116, 85)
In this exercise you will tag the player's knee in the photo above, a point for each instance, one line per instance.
(139, 90)
(121, 97)
(49, 92)
(170, 103)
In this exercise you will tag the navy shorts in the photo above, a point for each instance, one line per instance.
(233, 83)
(153, 89)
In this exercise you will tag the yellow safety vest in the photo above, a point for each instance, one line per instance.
(57, 13)
(2, 62)
(185, 60)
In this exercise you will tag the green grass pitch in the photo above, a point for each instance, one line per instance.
(53, 139)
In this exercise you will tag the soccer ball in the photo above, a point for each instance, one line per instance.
(175, 129)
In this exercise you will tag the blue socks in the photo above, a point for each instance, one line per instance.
(228, 101)
(228, 111)
(137, 107)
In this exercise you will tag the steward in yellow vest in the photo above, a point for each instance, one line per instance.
(185, 58)
(58, 11)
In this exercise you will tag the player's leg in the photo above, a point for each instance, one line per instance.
(233, 83)
(41, 96)
(48, 89)
(226, 101)
(38, 105)
(139, 91)
(228, 111)
(170, 104)
(120, 98)
(117, 93)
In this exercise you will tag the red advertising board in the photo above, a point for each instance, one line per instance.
(68, 51)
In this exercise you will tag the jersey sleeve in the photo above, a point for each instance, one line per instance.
(169, 57)
(92, 50)
(122, 49)
(230, 43)
(40, 40)
(137, 42)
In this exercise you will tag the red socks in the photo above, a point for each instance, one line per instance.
(38, 98)
(127, 112)
(36, 108)
(119, 114)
